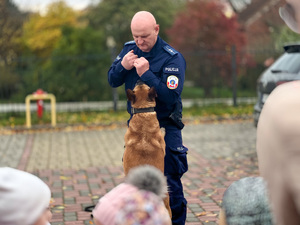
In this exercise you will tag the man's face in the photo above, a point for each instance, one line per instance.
(144, 36)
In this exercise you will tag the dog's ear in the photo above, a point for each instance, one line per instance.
(152, 94)
(130, 95)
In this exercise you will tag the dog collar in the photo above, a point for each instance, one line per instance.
(141, 110)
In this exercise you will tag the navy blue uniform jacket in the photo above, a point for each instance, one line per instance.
(166, 74)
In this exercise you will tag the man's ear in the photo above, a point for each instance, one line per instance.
(130, 95)
(156, 28)
(152, 94)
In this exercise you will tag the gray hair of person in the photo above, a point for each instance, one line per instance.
(148, 178)
(246, 202)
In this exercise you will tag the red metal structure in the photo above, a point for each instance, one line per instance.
(40, 103)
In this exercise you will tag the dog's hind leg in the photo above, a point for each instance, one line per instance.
(162, 144)
(167, 204)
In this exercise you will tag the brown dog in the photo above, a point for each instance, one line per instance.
(144, 141)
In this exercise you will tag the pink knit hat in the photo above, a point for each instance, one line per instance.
(109, 205)
(143, 208)
(138, 201)
(126, 205)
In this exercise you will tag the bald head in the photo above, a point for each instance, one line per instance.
(143, 18)
(144, 30)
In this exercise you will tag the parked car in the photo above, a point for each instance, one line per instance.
(286, 68)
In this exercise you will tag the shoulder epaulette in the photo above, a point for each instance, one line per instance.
(170, 50)
(130, 43)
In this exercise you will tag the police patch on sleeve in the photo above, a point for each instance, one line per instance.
(172, 82)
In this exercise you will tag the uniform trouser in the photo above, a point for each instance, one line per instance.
(175, 166)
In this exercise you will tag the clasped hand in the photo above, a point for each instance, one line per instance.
(131, 60)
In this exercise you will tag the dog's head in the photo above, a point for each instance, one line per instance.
(142, 96)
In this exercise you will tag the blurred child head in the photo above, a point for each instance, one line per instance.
(137, 201)
(24, 198)
(246, 202)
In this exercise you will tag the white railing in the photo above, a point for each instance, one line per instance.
(106, 105)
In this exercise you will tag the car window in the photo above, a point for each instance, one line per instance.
(288, 62)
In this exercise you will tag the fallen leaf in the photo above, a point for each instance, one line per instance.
(95, 197)
(201, 214)
(65, 178)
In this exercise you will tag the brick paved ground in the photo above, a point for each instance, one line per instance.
(82, 166)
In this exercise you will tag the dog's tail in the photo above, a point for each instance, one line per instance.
(148, 178)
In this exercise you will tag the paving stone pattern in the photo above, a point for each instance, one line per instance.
(81, 166)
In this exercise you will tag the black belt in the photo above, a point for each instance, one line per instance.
(141, 110)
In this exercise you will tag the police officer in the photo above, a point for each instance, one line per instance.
(150, 59)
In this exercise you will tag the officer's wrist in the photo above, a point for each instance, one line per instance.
(120, 68)
(124, 66)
